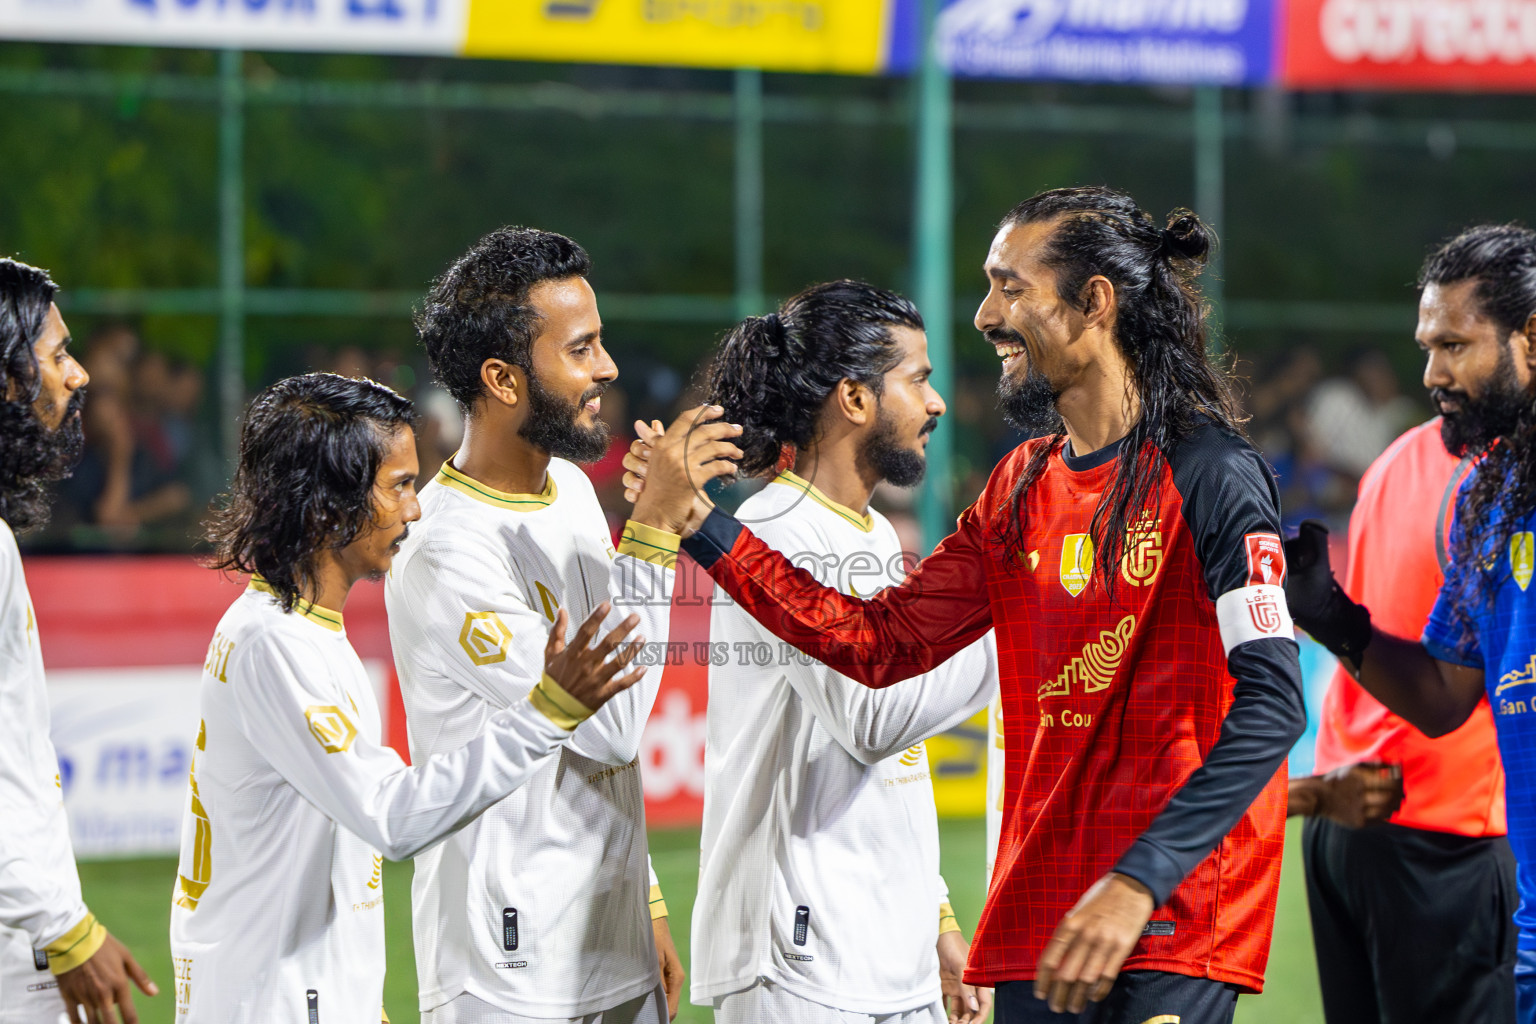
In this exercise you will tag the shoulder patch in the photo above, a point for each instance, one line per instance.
(485, 637)
(1266, 560)
(331, 727)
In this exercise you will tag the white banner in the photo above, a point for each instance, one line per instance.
(372, 26)
(125, 739)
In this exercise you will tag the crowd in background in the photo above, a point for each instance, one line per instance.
(153, 460)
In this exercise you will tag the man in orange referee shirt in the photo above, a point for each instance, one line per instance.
(1438, 874)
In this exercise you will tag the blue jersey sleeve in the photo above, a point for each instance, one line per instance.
(1447, 635)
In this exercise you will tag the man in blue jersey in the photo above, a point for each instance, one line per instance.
(1477, 327)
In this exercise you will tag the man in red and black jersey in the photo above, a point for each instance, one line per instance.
(1130, 561)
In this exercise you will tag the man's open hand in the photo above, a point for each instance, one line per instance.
(92, 989)
(1084, 956)
(963, 1004)
(667, 473)
(591, 673)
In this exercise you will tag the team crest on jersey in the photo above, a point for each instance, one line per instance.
(484, 637)
(331, 727)
(1522, 557)
(912, 755)
(1076, 562)
(1266, 560)
(1143, 552)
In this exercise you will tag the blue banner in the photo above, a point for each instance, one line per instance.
(1226, 42)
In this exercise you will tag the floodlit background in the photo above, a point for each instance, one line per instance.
(229, 194)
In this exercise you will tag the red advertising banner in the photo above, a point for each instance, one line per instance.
(1471, 45)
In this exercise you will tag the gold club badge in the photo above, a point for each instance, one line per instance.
(484, 637)
(331, 727)
(1076, 562)
(912, 755)
(1522, 557)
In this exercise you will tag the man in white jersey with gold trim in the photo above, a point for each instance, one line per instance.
(55, 957)
(540, 910)
(820, 899)
(293, 800)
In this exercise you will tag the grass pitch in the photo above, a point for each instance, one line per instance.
(133, 899)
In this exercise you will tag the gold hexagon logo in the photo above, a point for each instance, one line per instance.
(484, 637)
(331, 727)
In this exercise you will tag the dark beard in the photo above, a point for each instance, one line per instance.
(1028, 405)
(551, 425)
(892, 461)
(1482, 421)
(34, 457)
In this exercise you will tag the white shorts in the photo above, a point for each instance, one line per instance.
(27, 995)
(767, 1003)
(650, 1008)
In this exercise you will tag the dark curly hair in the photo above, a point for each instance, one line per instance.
(478, 309)
(1160, 328)
(773, 373)
(310, 452)
(1501, 494)
(32, 456)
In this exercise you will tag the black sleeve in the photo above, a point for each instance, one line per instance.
(1229, 497)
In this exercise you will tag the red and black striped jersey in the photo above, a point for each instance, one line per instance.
(1148, 721)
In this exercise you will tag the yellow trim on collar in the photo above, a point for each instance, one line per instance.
(550, 698)
(947, 921)
(658, 905)
(320, 616)
(77, 945)
(450, 477)
(649, 544)
(864, 522)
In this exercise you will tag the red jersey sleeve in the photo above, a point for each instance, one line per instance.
(901, 632)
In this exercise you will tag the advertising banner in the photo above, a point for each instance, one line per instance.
(777, 35)
(370, 26)
(1223, 42)
(1473, 45)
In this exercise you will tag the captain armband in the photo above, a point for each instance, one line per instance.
(1253, 613)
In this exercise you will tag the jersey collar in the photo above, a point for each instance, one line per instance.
(452, 478)
(864, 522)
(327, 617)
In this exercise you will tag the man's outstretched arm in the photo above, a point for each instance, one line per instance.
(1435, 688)
(941, 607)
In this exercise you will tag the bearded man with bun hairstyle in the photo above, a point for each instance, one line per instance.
(807, 773)
(1130, 562)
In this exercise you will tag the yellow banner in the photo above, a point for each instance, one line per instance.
(958, 762)
(846, 36)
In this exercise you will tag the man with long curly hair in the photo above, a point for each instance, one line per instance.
(1477, 327)
(1130, 561)
(277, 912)
(55, 957)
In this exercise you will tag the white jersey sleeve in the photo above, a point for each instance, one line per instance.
(39, 886)
(305, 728)
(491, 641)
(872, 725)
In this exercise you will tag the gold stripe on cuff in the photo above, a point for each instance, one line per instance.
(77, 945)
(558, 706)
(649, 544)
(947, 921)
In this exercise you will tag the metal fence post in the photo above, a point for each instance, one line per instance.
(231, 382)
(749, 192)
(1210, 193)
(933, 260)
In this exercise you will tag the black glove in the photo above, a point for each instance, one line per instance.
(1317, 602)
